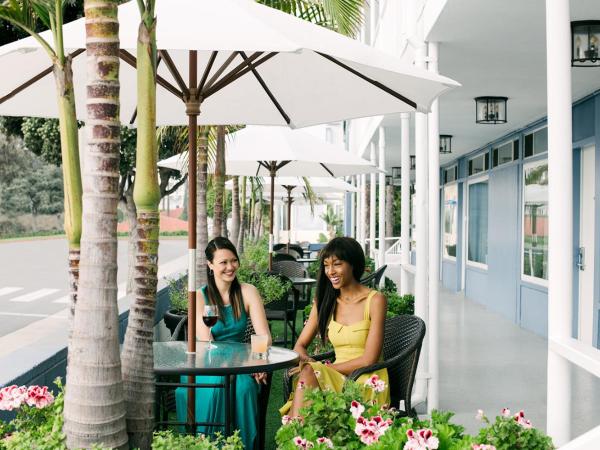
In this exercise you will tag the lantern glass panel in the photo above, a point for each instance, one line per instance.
(585, 41)
(490, 110)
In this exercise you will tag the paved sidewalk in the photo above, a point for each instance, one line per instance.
(488, 362)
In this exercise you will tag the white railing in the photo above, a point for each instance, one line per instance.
(374, 250)
(395, 249)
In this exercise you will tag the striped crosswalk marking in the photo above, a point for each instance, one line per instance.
(9, 290)
(33, 295)
(63, 300)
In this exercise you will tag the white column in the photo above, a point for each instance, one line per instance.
(382, 199)
(421, 235)
(433, 119)
(363, 209)
(405, 202)
(372, 201)
(353, 206)
(359, 199)
(560, 215)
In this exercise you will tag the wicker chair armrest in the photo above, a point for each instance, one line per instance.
(323, 356)
(179, 328)
(380, 364)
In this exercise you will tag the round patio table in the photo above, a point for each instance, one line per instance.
(307, 260)
(227, 359)
(301, 281)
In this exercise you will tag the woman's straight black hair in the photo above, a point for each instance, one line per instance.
(349, 250)
(235, 291)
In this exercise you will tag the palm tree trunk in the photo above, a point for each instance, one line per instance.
(252, 210)
(138, 355)
(243, 218)
(202, 212)
(131, 243)
(219, 180)
(235, 210)
(259, 217)
(94, 409)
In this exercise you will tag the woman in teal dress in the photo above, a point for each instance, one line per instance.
(235, 303)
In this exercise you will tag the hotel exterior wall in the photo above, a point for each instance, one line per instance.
(500, 287)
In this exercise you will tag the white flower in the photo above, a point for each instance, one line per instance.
(356, 409)
(326, 441)
(375, 383)
(285, 420)
(480, 415)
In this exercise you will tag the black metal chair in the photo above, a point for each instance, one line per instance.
(403, 337)
(373, 279)
(263, 395)
(277, 256)
(277, 247)
(284, 310)
(295, 269)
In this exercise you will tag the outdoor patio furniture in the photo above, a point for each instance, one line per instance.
(373, 279)
(315, 248)
(402, 341)
(295, 269)
(277, 256)
(168, 402)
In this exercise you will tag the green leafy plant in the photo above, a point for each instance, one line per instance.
(271, 287)
(167, 440)
(369, 264)
(178, 295)
(399, 304)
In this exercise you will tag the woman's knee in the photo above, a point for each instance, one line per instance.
(307, 374)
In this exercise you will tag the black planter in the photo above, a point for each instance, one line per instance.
(172, 319)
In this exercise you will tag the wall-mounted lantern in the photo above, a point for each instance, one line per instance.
(490, 110)
(585, 38)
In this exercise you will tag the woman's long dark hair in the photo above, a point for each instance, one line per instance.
(346, 249)
(235, 291)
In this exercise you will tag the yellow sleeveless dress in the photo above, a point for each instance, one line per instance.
(349, 343)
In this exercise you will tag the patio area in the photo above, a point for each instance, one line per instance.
(487, 362)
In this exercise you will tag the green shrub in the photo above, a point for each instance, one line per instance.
(178, 294)
(167, 440)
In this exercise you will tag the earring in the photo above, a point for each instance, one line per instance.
(211, 272)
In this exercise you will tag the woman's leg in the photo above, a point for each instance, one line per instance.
(306, 379)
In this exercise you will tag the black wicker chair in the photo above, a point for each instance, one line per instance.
(278, 256)
(295, 269)
(373, 279)
(263, 396)
(402, 342)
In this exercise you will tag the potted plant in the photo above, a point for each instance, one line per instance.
(178, 296)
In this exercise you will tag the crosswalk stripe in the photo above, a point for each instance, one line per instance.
(9, 290)
(33, 295)
(63, 300)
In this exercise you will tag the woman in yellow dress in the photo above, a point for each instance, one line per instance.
(351, 316)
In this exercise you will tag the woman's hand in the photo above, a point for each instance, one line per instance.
(261, 378)
(306, 358)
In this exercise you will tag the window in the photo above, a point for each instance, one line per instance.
(450, 174)
(477, 246)
(505, 153)
(536, 143)
(535, 221)
(450, 220)
(479, 164)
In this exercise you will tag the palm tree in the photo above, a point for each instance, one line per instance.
(235, 210)
(243, 217)
(219, 183)
(94, 407)
(201, 207)
(138, 355)
(23, 14)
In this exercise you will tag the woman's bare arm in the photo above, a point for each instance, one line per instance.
(256, 310)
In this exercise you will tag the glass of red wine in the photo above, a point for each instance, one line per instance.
(210, 317)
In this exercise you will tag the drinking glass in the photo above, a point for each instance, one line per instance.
(258, 345)
(210, 316)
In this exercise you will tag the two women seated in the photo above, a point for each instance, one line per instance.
(349, 315)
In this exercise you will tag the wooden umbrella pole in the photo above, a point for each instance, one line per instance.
(192, 110)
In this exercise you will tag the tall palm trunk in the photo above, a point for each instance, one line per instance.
(94, 407)
(219, 186)
(201, 209)
(243, 218)
(252, 210)
(138, 355)
(235, 210)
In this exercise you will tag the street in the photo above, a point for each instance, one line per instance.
(34, 278)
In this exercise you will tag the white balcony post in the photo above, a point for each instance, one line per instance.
(434, 238)
(372, 202)
(382, 199)
(363, 209)
(405, 202)
(560, 215)
(353, 200)
(359, 237)
(421, 232)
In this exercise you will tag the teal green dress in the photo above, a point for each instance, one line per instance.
(210, 402)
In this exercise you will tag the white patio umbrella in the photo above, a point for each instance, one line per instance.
(245, 63)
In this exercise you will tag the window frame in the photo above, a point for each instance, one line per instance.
(532, 132)
(443, 247)
(476, 179)
(515, 142)
(529, 278)
(486, 157)
(447, 169)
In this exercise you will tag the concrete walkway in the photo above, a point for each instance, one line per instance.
(488, 362)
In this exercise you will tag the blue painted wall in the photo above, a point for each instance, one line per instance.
(500, 287)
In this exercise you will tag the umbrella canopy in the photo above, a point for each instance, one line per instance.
(258, 66)
(319, 185)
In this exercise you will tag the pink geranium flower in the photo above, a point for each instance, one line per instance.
(375, 383)
(369, 431)
(39, 396)
(483, 447)
(505, 412)
(356, 409)
(521, 420)
(12, 397)
(421, 440)
(302, 443)
(326, 441)
(285, 420)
